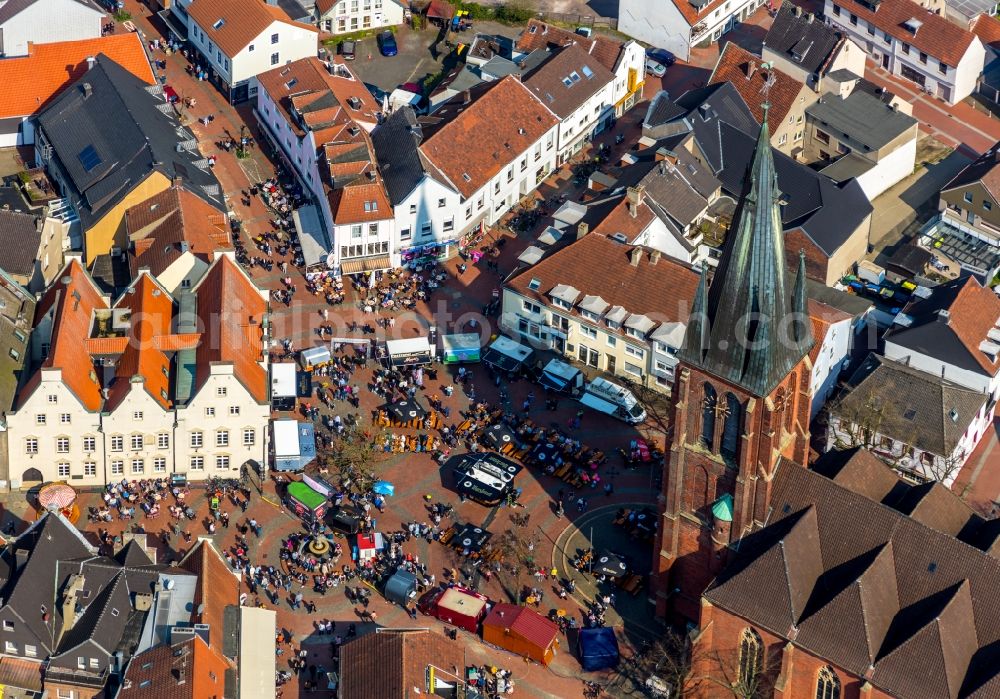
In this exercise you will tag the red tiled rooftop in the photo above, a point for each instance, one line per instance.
(743, 70)
(30, 82)
(539, 35)
(244, 21)
(937, 37)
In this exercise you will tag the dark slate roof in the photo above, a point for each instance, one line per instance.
(395, 142)
(853, 579)
(662, 110)
(567, 80)
(852, 304)
(19, 240)
(950, 324)
(862, 117)
(110, 141)
(802, 38)
(847, 167)
(725, 132)
(909, 405)
(738, 330)
(983, 169)
(56, 550)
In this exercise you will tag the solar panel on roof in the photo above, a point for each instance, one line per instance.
(89, 158)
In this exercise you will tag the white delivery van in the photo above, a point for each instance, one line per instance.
(612, 399)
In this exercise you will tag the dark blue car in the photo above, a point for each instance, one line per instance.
(387, 43)
(661, 56)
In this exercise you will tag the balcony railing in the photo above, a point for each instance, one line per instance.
(85, 678)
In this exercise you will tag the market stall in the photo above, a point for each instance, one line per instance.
(401, 588)
(463, 347)
(412, 351)
(346, 518)
(367, 546)
(283, 386)
(523, 631)
(561, 377)
(313, 357)
(507, 355)
(305, 502)
(457, 606)
(598, 648)
(294, 444)
(484, 477)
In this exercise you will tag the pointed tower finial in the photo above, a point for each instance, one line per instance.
(749, 302)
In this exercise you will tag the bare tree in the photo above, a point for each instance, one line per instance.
(355, 457)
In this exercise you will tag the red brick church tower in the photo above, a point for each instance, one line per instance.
(740, 397)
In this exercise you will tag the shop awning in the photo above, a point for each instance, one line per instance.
(312, 237)
(531, 255)
(173, 25)
(366, 264)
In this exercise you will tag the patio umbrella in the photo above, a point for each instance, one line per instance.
(406, 410)
(500, 435)
(56, 496)
(472, 537)
(384, 488)
(609, 564)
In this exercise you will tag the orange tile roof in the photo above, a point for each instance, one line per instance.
(231, 312)
(539, 35)
(243, 21)
(822, 317)
(160, 225)
(975, 311)
(31, 82)
(470, 144)
(347, 204)
(693, 15)
(936, 37)
(72, 299)
(621, 220)
(105, 345)
(987, 28)
(151, 315)
(217, 588)
(173, 343)
(596, 265)
(732, 67)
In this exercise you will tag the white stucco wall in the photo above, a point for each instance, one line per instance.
(49, 21)
(658, 24)
(829, 362)
(891, 169)
(963, 377)
(294, 42)
(349, 15)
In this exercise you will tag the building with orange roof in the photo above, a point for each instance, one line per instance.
(941, 57)
(680, 25)
(110, 142)
(626, 59)
(319, 114)
(149, 385)
(240, 39)
(27, 22)
(33, 79)
(174, 235)
(788, 96)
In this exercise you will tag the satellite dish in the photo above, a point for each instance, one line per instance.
(201, 608)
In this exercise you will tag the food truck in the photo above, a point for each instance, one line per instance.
(463, 347)
(612, 399)
(457, 606)
(306, 502)
(412, 351)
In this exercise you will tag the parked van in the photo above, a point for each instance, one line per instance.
(612, 399)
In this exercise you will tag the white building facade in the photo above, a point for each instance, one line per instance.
(49, 21)
(942, 58)
(344, 16)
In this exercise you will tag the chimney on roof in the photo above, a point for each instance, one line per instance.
(943, 315)
(88, 90)
(635, 256)
(654, 256)
(634, 196)
(810, 17)
(751, 69)
(797, 10)
(582, 229)
(466, 96)
(90, 62)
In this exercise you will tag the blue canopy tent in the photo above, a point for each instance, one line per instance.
(384, 488)
(598, 648)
